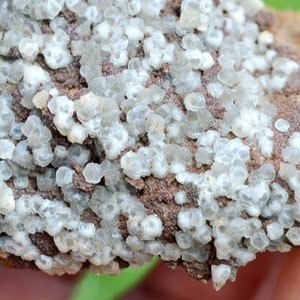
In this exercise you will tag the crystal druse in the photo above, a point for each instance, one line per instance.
(139, 128)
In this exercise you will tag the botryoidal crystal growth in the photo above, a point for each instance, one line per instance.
(133, 129)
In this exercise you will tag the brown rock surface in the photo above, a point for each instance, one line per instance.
(157, 195)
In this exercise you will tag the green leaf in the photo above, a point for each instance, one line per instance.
(105, 287)
(284, 4)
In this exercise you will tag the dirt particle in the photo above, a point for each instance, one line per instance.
(158, 198)
(137, 183)
(13, 54)
(109, 69)
(21, 113)
(44, 243)
(88, 216)
(265, 19)
(122, 224)
(79, 180)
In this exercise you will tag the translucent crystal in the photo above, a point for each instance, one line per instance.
(92, 173)
(220, 274)
(282, 125)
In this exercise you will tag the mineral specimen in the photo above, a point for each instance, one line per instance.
(131, 129)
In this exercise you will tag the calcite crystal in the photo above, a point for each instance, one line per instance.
(133, 129)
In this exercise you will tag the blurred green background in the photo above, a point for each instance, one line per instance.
(104, 287)
(284, 4)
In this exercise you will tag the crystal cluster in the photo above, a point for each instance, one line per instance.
(163, 96)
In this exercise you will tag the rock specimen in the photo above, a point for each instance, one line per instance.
(133, 129)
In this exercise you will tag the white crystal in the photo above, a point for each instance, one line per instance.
(282, 125)
(92, 173)
(220, 274)
(7, 201)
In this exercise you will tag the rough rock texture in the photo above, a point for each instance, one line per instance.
(157, 194)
